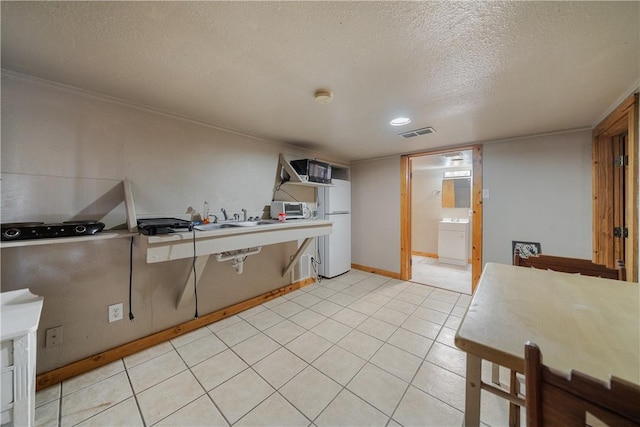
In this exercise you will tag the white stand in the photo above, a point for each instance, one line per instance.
(20, 317)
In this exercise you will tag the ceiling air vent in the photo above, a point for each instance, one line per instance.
(417, 132)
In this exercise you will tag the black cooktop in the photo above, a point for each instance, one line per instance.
(41, 230)
(153, 226)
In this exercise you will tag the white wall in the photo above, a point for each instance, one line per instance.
(539, 190)
(64, 154)
(376, 214)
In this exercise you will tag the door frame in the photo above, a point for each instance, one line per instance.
(624, 119)
(476, 204)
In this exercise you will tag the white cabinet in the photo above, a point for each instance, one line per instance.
(20, 317)
(453, 242)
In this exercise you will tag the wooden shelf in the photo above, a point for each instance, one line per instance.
(104, 235)
(132, 226)
(307, 184)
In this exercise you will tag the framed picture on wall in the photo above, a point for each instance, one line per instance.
(525, 249)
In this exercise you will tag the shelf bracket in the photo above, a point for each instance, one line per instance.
(297, 255)
(286, 166)
(132, 223)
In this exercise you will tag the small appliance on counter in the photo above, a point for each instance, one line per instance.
(153, 226)
(292, 210)
(40, 230)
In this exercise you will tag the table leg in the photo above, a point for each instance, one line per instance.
(472, 392)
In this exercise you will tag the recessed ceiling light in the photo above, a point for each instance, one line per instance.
(399, 121)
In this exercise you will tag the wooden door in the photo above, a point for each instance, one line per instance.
(615, 189)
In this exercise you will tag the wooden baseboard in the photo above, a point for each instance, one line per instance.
(424, 254)
(97, 360)
(376, 271)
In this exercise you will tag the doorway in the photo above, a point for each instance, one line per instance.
(428, 199)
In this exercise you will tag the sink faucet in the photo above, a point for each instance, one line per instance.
(224, 213)
(244, 213)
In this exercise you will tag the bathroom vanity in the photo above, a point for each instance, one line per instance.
(453, 241)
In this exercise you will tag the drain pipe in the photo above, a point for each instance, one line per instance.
(238, 257)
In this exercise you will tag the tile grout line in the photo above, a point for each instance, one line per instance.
(135, 395)
(368, 290)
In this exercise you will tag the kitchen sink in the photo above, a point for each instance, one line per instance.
(253, 223)
(230, 224)
(209, 227)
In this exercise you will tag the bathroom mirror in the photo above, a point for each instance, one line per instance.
(456, 193)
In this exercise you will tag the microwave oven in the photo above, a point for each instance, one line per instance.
(292, 209)
(313, 170)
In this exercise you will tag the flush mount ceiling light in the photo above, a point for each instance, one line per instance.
(400, 121)
(323, 96)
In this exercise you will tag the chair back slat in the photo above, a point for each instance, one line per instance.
(572, 265)
(556, 399)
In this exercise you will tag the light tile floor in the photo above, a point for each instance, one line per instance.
(357, 350)
(430, 271)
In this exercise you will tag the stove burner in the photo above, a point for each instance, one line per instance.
(40, 230)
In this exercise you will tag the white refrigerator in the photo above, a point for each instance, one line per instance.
(334, 204)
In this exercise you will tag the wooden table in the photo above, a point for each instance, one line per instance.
(583, 323)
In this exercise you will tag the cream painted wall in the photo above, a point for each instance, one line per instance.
(540, 190)
(375, 224)
(64, 154)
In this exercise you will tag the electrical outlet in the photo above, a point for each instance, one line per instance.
(53, 337)
(115, 312)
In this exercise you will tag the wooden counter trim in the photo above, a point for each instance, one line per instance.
(97, 360)
(377, 271)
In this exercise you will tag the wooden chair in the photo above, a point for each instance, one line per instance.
(572, 265)
(555, 399)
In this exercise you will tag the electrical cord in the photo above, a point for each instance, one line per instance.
(315, 264)
(307, 212)
(130, 278)
(195, 279)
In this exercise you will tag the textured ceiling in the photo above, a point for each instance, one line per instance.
(476, 71)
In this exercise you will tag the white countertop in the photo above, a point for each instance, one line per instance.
(230, 231)
(166, 247)
(20, 313)
(455, 220)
